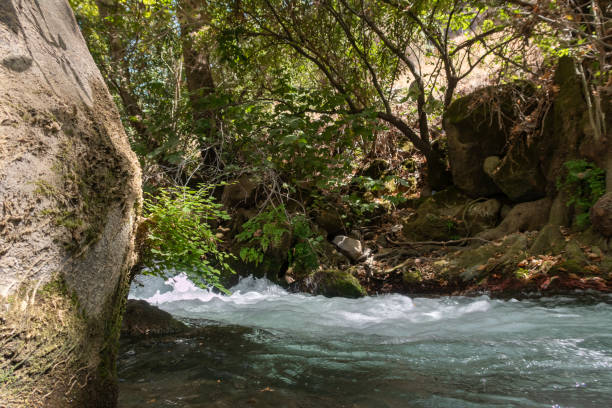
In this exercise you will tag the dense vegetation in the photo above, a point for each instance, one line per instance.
(321, 104)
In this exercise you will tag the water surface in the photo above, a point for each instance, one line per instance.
(265, 347)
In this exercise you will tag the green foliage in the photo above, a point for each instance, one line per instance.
(180, 237)
(584, 183)
(267, 229)
(262, 232)
(521, 273)
(303, 256)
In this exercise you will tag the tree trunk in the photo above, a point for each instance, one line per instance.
(69, 196)
(121, 78)
(193, 18)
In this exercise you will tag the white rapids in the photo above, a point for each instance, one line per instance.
(398, 351)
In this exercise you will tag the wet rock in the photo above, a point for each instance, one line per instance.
(351, 247)
(332, 283)
(143, 319)
(601, 215)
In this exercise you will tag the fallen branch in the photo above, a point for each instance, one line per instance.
(438, 243)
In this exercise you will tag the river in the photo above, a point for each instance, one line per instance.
(265, 347)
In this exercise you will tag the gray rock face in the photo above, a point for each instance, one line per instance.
(69, 194)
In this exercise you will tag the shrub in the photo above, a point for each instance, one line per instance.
(180, 237)
(267, 229)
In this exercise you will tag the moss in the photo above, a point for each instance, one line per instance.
(339, 283)
(48, 351)
(434, 227)
(411, 277)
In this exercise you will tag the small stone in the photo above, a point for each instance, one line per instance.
(351, 247)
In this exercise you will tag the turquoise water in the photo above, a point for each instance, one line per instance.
(265, 347)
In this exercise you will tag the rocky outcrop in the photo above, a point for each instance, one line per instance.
(69, 197)
(477, 127)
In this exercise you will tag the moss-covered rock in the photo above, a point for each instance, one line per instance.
(476, 263)
(438, 218)
(411, 277)
(332, 283)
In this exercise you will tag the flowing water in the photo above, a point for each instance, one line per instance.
(265, 347)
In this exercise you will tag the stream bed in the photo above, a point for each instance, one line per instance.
(265, 347)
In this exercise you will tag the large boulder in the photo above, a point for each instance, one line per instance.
(478, 126)
(69, 197)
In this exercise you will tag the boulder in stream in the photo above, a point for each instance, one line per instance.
(144, 319)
